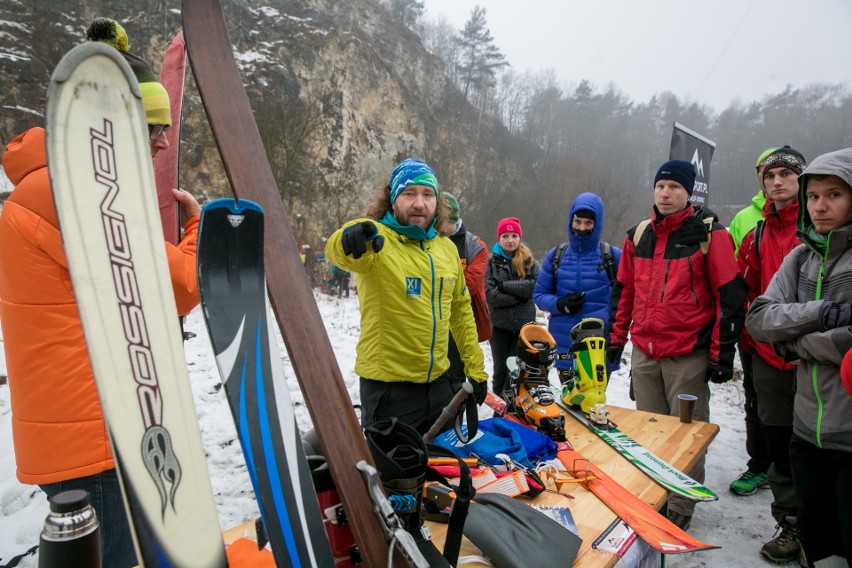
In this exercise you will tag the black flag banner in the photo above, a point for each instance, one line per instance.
(690, 146)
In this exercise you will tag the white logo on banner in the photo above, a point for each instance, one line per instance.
(698, 163)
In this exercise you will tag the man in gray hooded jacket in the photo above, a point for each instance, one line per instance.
(807, 313)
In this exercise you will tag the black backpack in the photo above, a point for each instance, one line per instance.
(606, 256)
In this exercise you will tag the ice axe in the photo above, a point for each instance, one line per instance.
(452, 411)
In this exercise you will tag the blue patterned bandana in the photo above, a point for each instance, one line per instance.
(411, 172)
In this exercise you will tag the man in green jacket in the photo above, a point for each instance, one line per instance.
(745, 220)
(756, 474)
(412, 293)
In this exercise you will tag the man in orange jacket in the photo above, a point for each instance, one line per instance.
(58, 429)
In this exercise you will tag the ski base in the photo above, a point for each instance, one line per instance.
(664, 474)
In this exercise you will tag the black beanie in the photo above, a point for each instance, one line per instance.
(585, 214)
(680, 171)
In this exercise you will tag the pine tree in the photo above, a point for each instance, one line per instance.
(406, 12)
(479, 57)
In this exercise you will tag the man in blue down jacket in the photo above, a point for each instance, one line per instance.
(580, 287)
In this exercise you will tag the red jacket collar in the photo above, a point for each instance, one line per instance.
(668, 223)
(788, 214)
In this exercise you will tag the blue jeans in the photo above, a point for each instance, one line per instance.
(105, 493)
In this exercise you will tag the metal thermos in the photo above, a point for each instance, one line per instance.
(71, 537)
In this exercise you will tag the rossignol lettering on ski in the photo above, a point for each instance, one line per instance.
(156, 444)
(101, 174)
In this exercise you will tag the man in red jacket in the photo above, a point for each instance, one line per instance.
(58, 428)
(680, 297)
(761, 253)
(474, 258)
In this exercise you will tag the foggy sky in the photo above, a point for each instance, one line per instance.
(710, 51)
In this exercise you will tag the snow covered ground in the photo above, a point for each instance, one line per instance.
(740, 525)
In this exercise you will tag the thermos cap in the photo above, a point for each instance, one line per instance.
(69, 501)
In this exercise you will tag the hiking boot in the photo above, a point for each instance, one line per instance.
(679, 520)
(748, 483)
(785, 547)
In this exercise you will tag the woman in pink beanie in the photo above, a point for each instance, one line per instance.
(509, 282)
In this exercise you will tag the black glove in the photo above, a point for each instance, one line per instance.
(692, 232)
(613, 353)
(833, 315)
(354, 239)
(718, 374)
(500, 286)
(571, 303)
(480, 389)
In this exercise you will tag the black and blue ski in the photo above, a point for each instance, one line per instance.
(233, 298)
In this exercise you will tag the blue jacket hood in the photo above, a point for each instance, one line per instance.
(594, 204)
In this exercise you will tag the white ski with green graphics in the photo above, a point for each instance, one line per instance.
(664, 474)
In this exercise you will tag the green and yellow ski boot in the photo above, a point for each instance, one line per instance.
(585, 384)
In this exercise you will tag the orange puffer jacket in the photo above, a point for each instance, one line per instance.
(57, 426)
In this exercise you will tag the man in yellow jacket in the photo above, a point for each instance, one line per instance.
(412, 292)
(58, 429)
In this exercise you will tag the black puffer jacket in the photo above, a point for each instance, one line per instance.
(509, 297)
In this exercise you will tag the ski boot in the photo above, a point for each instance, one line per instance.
(532, 400)
(402, 460)
(585, 384)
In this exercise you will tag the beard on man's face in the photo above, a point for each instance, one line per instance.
(422, 218)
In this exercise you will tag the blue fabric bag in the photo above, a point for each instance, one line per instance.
(500, 436)
(539, 447)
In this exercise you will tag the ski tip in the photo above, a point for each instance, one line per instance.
(236, 206)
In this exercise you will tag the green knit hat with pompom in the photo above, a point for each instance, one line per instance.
(155, 99)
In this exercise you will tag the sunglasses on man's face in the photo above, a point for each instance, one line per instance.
(157, 131)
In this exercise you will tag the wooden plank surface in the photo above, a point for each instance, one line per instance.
(679, 444)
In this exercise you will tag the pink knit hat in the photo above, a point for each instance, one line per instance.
(509, 225)
(846, 371)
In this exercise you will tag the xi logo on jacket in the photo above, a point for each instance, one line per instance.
(412, 288)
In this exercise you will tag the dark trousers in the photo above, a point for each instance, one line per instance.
(504, 344)
(456, 370)
(776, 390)
(105, 493)
(417, 404)
(759, 459)
(823, 482)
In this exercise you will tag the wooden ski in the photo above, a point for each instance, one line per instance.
(244, 157)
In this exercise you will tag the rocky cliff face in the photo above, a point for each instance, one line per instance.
(340, 92)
